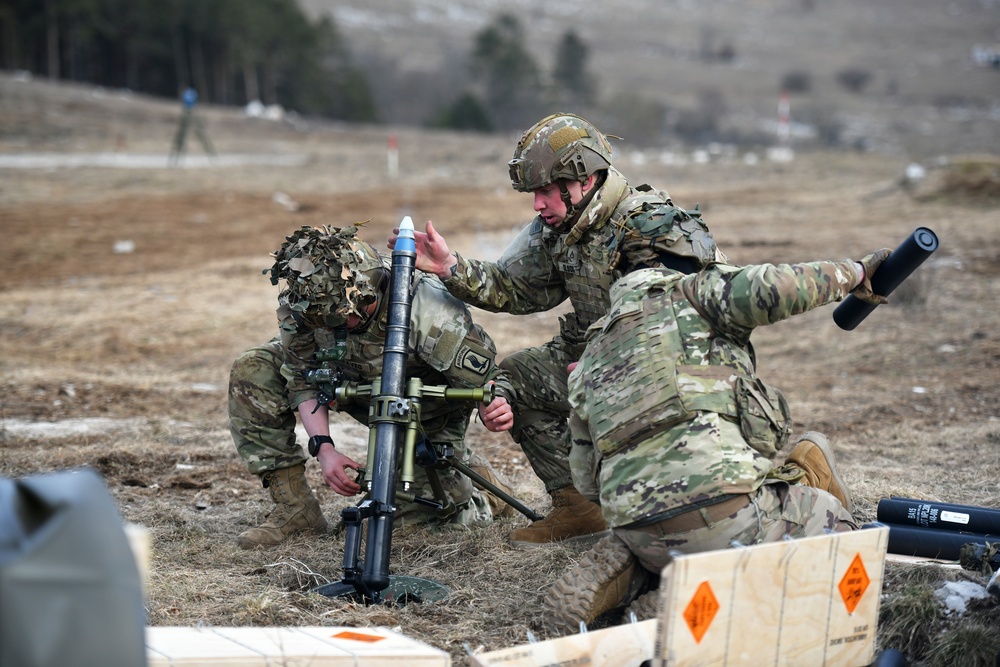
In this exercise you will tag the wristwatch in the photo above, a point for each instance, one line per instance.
(316, 442)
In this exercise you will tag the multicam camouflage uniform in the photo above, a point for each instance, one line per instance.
(446, 348)
(620, 229)
(669, 417)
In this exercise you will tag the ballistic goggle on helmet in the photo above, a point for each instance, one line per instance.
(558, 146)
(328, 272)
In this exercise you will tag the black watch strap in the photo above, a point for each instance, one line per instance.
(316, 442)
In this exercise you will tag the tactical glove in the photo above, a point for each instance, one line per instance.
(870, 263)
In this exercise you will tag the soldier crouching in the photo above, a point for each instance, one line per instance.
(332, 313)
(676, 437)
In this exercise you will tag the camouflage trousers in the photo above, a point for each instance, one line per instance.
(262, 423)
(777, 510)
(541, 409)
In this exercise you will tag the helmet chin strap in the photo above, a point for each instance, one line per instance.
(573, 211)
(567, 199)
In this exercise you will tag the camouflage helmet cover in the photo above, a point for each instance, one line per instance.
(663, 228)
(328, 271)
(634, 286)
(559, 146)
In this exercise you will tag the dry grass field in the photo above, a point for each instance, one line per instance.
(119, 360)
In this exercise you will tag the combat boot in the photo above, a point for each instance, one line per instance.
(607, 577)
(573, 518)
(645, 607)
(813, 454)
(498, 506)
(296, 509)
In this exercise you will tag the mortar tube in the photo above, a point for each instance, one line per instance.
(903, 261)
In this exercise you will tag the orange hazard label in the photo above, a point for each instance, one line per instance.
(701, 610)
(357, 636)
(854, 584)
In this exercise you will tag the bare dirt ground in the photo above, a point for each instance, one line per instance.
(119, 360)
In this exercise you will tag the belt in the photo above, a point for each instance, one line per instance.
(704, 516)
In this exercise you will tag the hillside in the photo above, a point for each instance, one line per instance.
(923, 95)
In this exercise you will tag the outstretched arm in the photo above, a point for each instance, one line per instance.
(742, 298)
(433, 254)
(524, 280)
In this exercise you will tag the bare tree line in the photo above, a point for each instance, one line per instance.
(234, 52)
(231, 51)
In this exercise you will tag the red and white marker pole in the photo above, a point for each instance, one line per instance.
(784, 107)
(393, 157)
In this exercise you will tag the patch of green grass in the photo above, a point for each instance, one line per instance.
(970, 644)
(910, 612)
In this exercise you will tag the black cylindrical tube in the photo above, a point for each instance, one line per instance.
(894, 270)
(939, 516)
(389, 435)
(931, 543)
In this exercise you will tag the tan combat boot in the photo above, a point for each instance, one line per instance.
(573, 518)
(296, 510)
(645, 607)
(498, 506)
(607, 577)
(814, 455)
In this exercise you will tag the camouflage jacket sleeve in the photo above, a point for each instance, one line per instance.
(299, 345)
(443, 335)
(738, 299)
(524, 280)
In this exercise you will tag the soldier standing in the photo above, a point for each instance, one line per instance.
(333, 305)
(188, 118)
(675, 435)
(591, 228)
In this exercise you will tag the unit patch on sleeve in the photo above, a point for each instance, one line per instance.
(471, 360)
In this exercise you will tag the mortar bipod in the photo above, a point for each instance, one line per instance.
(416, 451)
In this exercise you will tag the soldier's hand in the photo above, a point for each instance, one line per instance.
(335, 465)
(433, 254)
(497, 415)
(870, 264)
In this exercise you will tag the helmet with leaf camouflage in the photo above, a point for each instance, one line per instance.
(559, 146)
(328, 272)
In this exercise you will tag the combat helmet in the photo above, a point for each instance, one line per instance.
(328, 273)
(661, 234)
(559, 146)
(634, 286)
